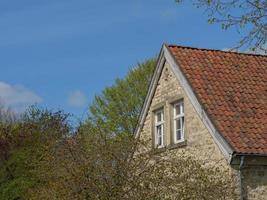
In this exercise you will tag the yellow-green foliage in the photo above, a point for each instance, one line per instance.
(117, 109)
(24, 144)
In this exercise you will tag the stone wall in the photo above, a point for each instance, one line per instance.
(199, 142)
(255, 182)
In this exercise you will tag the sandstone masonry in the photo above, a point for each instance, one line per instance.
(198, 141)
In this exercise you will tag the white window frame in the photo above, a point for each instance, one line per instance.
(159, 124)
(179, 117)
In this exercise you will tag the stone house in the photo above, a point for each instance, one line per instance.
(213, 105)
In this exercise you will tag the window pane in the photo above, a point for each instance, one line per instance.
(182, 107)
(159, 116)
(178, 135)
(159, 135)
(159, 141)
(177, 109)
(158, 130)
(182, 123)
(178, 124)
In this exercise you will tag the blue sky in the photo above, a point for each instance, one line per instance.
(61, 53)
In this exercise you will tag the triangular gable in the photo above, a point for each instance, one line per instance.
(166, 56)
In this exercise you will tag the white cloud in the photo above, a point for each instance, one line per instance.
(17, 97)
(77, 99)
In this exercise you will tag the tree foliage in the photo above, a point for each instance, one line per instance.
(23, 145)
(117, 109)
(248, 16)
(93, 166)
(7, 115)
(43, 158)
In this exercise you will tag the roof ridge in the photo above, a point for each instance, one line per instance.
(218, 50)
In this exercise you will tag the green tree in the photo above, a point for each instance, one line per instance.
(117, 109)
(44, 159)
(24, 144)
(249, 17)
(7, 115)
(102, 162)
(94, 167)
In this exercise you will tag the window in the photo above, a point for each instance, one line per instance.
(159, 128)
(178, 122)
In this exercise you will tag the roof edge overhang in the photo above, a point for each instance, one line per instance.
(150, 93)
(223, 145)
(249, 159)
(221, 142)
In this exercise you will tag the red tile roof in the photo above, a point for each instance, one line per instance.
(232, 88)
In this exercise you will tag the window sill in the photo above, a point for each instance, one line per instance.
(177, 145)
(170, 147)
(159, 149)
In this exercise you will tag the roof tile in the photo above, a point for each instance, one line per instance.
(232, 88)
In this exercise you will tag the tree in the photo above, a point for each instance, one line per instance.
(117, 109)
(44, 159)
(248, 16)
(23, 146)
(92, 166)
(7, 115)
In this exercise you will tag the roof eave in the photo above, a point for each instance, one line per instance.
(249, 159)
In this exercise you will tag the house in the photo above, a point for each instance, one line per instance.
(212, 104)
